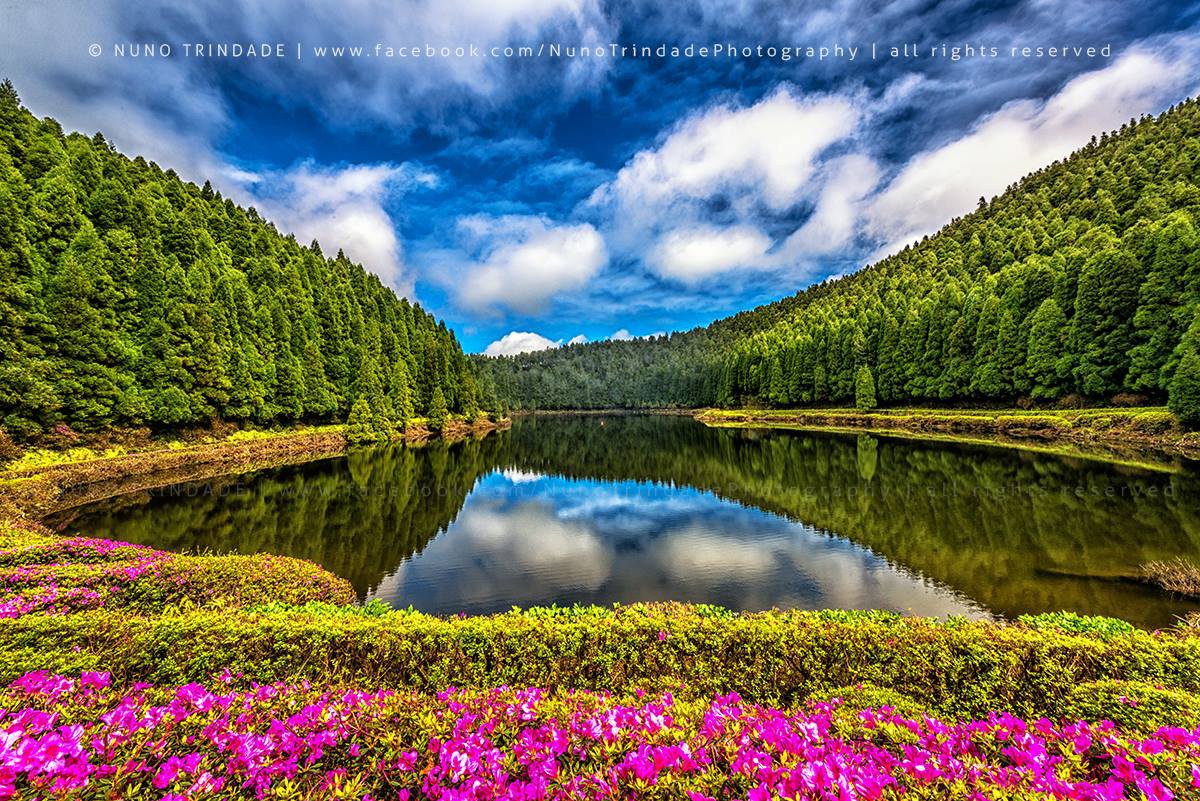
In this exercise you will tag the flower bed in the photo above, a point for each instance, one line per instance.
(81, 738)
(741, 706)
(959, 669)
(59, 576)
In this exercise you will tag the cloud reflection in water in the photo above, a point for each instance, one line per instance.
(526, 539)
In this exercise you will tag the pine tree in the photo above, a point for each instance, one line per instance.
(438, 414)
(1184, 398)
(987, 379)
(90, 373)
(360, 427)
(1103, 324)
(401, 396)
(864, 389)
(1045, 364)
(1157, 323)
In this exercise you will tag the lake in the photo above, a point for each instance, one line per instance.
(625, 508)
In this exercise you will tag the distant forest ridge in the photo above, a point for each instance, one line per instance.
(131, 298)
(1082, 279)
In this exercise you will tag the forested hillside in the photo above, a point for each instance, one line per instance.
(1082, 279)
(131, 298)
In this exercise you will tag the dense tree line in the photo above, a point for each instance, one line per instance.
(129, 297)
(681, 369)
(1082, 279)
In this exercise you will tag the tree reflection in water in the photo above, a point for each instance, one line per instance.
(565, 509)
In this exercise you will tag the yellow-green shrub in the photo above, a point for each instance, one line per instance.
(959, 668)
(1154, 422)
(1135, 706)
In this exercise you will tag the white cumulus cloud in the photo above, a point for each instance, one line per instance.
(834, 221)
(342, 208)
(754, 163)
(525, 262)
(769, 149)
(515, 342)
(693, 254)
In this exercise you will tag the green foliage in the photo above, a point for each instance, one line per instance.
(373, 608)
(960, 668)
(1073, 623)
(1047, 364)
(868, 696)
(438, 414)
(361, 426)
(1007, 423)
(864, 389)
(1135, 706)
(1153, 422)
(131, 298)
(1185, 386)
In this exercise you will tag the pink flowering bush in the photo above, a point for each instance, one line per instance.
(83, 738)
(960, 670)
(58, 576)
(753, 707)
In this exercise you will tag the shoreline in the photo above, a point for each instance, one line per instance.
(33, 493)
(1120, 436)
(662, 411)
(1108, 435)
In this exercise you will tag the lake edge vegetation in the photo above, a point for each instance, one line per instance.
(89, 627)
(1137, 431)
(36, 483)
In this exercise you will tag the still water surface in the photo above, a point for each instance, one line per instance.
(638, 508)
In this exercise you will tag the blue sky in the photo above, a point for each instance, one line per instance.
(531, 200)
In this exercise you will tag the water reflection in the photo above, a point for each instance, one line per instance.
(643, 508)
(553, 540)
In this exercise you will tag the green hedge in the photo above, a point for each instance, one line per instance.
(62, 575)
(958, 668)
(1135, 706)
(237, 581)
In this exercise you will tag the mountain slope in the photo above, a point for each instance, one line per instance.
(1083, 278)
(129, 297)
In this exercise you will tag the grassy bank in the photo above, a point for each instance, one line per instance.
(1137, 435)
(956, 668)
(39, 482)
